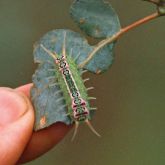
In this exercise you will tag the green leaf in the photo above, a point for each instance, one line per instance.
(95, 17)
(75, 44)
(102, 60)
(44, 96)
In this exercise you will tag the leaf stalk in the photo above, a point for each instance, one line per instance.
(116, 36)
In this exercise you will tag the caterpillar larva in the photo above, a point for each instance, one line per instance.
(67, 84)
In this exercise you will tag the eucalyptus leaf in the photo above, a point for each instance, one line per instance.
(45, 96)
(76, 46)
(95, 17)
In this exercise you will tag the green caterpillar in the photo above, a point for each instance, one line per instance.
(71, 86)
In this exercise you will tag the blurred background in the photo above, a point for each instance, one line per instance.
(130, 96)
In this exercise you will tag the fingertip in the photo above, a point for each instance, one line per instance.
(16, 121)
(25, 89)
(12, 106)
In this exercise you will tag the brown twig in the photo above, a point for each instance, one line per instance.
(109, 40)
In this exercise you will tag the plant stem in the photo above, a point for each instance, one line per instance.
(109, 40)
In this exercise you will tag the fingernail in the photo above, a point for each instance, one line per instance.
(12, 106)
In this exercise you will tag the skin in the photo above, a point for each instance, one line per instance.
(19, 144)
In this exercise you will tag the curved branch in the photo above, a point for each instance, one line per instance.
(109, 40)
